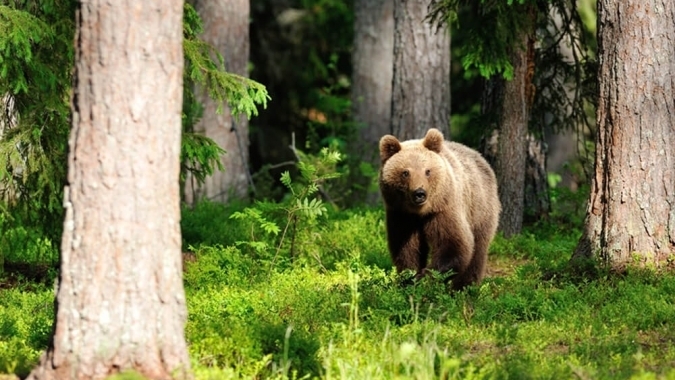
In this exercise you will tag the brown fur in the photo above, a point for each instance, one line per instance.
(440, 197)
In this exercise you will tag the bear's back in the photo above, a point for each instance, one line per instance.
(473, 162)
(479, 179)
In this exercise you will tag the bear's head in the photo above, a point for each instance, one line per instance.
(413, 174)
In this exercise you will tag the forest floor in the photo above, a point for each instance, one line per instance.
(336, 309)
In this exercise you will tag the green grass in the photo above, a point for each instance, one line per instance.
(25, 324)
(337, 310)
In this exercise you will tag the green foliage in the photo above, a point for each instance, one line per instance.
(314, 172)
(256, 217)
(208, 223)
(19, 30)
(256, 220)
(492, 36)
(300, 209)
(219, 266)
(26, 314)
(258, 317)
(36, 66)
(205, 71)
(241, 94)
(349, 242)
(127, 375)
(199, 157)
(533, 316)
(23, 244)
(36, 54)
(355, 321)
(490, 30)
(569, 206)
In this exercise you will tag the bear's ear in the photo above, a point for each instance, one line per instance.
(389, 146)
(433, 140)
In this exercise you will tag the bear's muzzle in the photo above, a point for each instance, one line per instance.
(419, 196)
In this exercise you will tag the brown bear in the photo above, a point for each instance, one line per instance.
(439, 196)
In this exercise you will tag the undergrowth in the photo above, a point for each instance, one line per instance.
(339, 310)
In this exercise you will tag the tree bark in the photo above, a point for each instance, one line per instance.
(372, 65)
(537, 202)
(511, 101)
(226, 27)
(631, 209)
(421, 84)
(120, 303)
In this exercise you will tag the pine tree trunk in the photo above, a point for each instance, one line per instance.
(372, 69)
(120, 303)
(421, 86)
(631, 210)
(226, 27)
(511, 154)
(536, 202)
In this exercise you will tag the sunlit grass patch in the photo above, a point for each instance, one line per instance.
(26, 313)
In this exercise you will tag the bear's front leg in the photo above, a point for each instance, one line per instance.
(452, 245)
(406, 246)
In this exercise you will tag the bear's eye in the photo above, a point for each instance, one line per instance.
(428, 172)
(405, 173)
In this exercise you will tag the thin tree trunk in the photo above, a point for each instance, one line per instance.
(537, 204)
(120, 303)
(421, 84)
(631, 210)
(226, 27)
(372, 70)
(8, 120)
(562, 144)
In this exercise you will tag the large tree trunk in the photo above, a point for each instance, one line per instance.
(631, 210)
(421, 86)
(120, 303)
(372, 65)
(226, 27)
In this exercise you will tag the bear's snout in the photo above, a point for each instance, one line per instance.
(419, 196)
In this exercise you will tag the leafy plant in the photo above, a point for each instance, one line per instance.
(301, 206)
(199, 156)
(254, 216)
(26, 313)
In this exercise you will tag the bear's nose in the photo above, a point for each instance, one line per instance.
(419, 196)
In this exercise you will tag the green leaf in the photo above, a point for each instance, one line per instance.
(286, 179)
